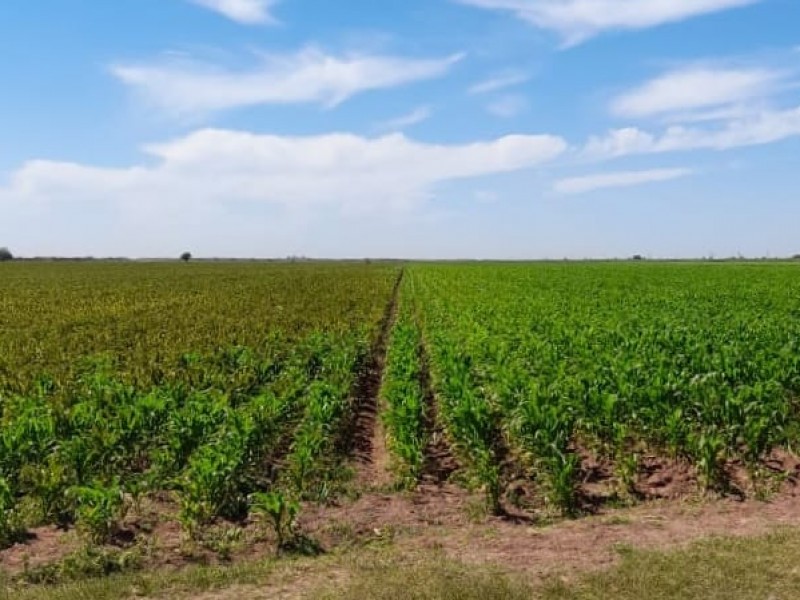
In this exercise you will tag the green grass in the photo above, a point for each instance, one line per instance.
(429, 580)
(155, 584)
(714, 569)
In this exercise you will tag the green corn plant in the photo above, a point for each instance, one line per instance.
(281, 512)
(546, 431)
(708, 448)
(674, 431)
(99, 509)
(472, 423)
(214, 484)
(312, 461)
(11, 525)
(627, 468)
(48, 483)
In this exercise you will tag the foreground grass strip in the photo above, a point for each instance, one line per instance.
(431, 579)
(715, 569)
(153, 585)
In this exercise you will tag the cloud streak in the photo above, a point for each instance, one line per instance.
(246, 12)
(499, 81)
(416, 116)
(309, 76)
(756, 129)
(508, 107)
(578, 20)
(693, 88)
(619, 179)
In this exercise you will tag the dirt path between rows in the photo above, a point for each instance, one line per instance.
(371, 455)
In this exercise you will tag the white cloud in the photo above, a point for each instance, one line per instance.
(693, 88)
(220, 192)
(620, 142)
(578, 20)
(508, 106)
(418, 115)
(724, 113)
(760, 128)
(247, 12)
(209, 170)
(499, 81)
(308, 76)
(619, 179)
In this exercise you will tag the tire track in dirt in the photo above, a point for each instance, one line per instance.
(368, 438)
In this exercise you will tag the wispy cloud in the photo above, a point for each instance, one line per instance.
(508, 106)
(765, 127)
(247, 12)
(693, 87)
(618, 179)
(418, 115)
(499, 81)
(308, 76)
(577, 20)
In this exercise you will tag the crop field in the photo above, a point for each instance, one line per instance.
(117, 381)
(536, 367)
(222, 391)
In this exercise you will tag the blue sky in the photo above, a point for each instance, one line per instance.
(421, 129)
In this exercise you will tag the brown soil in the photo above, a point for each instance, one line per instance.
(371, 455)
(656, 478)
(44, 545)
(433, 522)
(592, 543)
(660, 478)
(447, 518)
(381, 516)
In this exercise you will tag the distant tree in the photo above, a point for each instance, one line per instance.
(796, 257)
(186, 256)
(638, 257)
(5, 254)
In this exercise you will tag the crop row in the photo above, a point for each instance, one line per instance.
(404, 415)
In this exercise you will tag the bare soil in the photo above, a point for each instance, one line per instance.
(433, 522)
(371, 455)
(43, 546)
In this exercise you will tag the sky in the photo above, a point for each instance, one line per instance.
(495, 129)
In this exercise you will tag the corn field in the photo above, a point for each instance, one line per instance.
(212, 382)
(230, 387)
(536, 364)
